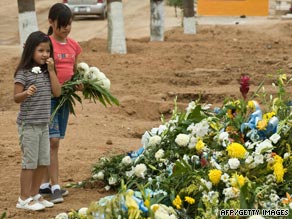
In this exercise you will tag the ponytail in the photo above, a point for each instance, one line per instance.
(50, 31)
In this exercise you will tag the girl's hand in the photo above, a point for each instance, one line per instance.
(51, 64)
(31, 90)
(79, 87)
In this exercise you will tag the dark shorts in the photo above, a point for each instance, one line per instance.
(58, 125)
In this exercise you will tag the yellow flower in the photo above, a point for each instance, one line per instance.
(251, 105)
(200, 145)
(154, 207)
(269, 115)
(215, 176)
(262, 124)
(147, 203)
(133, 208)
(237, 181)
(230, 113)
(278, 168)
(236, 150)
(177, 202)
(189, 200)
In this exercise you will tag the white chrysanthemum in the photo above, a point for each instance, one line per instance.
(112, 180)
(163, 212)
(126, 160)
(82, 211)
(230, 192)
(99, 175)
(159, 154)
(154, 140)
(104, 83)
(62, 216)
(130, 173)
(225, 178)
(193, 142)
(249, 160)
(275, 138)
(182, 140)
(140, 170)
(36, 70)
(258, 159)
(233, 163)
(82, 68)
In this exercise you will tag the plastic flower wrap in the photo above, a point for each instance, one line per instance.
(96, 88)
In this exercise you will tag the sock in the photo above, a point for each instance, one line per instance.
(45, 185)
(54, 187)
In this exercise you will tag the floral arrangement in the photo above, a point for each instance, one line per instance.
(96, 88)
(201, 161)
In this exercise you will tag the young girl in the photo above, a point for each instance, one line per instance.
(66, 51)
(35, 80)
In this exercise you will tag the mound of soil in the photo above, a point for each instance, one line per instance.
(146, 81)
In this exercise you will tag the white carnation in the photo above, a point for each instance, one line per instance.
(82, 68)
(112, 180)
(233, 163)
(140, 170)
(127, 160)
(159, 154)
(154, 140)
(182, 140)
(36, 70)
(99, 175)
(82, 211)
(62, 216)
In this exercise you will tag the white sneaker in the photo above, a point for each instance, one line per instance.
(27, 206)
(39, 199)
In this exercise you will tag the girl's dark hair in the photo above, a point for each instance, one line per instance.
(62, 14)
(33, 40)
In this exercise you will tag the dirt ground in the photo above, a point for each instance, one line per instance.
(145, 80)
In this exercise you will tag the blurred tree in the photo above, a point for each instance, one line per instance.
(156, 20)
(116, 32)
(176, 4)
(189, 22)
(27, 20)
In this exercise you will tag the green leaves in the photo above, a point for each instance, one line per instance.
(92, 91)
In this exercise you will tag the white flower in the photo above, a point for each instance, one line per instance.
(112, 180)
(140, 170)
(159, 154)
(275, 138)
(249, 159)
(36, 70)
(106, 83)
(82, 68)
(258, 158)
(107, 188)
(182, 140)
(154, 140)
(82, 211)
(99, 175)
(274, 197)
(225, 177)
(286, 155)
(62, 216)
(126, 160)
(264, 146)
(290, 205)
(233, 163)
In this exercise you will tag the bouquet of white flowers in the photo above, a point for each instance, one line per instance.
(96, 87)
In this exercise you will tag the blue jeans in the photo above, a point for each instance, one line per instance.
(58, 125)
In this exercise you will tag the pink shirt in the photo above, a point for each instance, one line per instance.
(65, 55)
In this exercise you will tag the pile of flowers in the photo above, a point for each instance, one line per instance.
(96, 88)
(204, 160)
